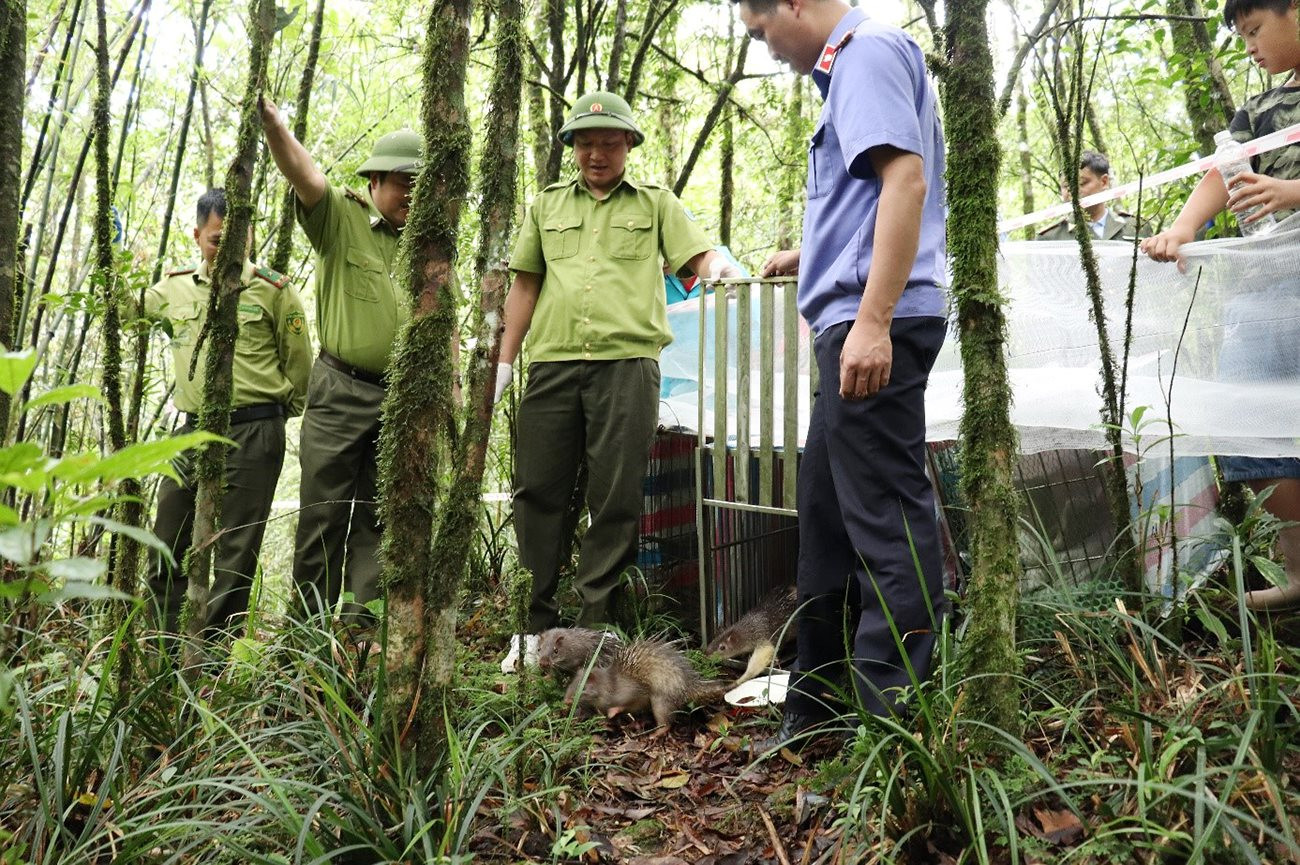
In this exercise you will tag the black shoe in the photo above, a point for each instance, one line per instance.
(799, 731)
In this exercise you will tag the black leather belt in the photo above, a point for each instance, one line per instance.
(247, 414)
(375, 378)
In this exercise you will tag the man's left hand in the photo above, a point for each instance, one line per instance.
(865, 360)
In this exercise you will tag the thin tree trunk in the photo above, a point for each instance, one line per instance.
(727, 156)
(1205, 89)
(657, 11)
(38, 61)
(121, 574)
(64, 218)
(284, 232)
(1026, 157)
(221, 327)
(711, 119)
(794, 160)
(132, 104)
(413, 446)
(989, 658)
(617, 41)
(63, 75)
(13, 61)
(555, 14)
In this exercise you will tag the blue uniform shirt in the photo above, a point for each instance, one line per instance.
(876, 92)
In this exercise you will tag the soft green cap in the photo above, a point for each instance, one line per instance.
(600, 110)
(400, 151)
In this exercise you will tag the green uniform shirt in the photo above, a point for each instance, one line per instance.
(358, 305)
(272, 354)
(602, 294)
(1118, 226)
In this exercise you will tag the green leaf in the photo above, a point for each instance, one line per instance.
(60, 395)
(24, 466)
(9, 516)
(21, 543)
(144, 537)
(1271, 570)
(79, 589)
(76, 569)
(15, 368)
(142, 459)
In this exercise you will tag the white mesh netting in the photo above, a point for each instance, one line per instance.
(1229, 380)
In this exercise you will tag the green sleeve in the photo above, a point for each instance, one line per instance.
(294, 345)
(323, 223)
(155, 301)
(527, 254)
(680, 237)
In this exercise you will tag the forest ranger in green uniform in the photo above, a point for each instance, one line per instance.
(588, 293)
(1106, 224)
(359, 310)
(271, 364)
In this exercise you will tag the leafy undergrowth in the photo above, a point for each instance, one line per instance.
(1135, 748)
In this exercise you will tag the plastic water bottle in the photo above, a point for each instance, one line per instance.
(1231, 160)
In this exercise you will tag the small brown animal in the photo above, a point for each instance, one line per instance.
(760, 632)
(571, 650)
(647, 674)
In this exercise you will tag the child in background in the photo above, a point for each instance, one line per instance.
(1259, 342)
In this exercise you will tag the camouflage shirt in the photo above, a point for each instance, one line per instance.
(1268, 112)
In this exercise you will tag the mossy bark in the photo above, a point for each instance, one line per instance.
(284, 231)
(13, 65)
(125, 559)
(418, 409)
(1206, 94)
(793, 149)
(556, 81)
(1071, 113)
(989, 661)
(221, 327)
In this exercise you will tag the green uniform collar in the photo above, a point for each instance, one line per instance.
(625, 180)
(201, 273)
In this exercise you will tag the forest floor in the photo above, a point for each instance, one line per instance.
(701, 795)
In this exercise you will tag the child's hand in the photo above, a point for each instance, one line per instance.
(1269, 194)
(1164, 246)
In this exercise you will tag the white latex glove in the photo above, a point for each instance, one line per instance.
(505, 372)
(720, 268)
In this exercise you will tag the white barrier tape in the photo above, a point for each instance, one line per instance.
(1263, 144)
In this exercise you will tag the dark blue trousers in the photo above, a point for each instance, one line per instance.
(868, 541)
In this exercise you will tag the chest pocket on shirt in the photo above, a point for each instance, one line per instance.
(560, 237)
(819, 164)
(365, 275)
(184, 320)
(252, 322)
(632, 236)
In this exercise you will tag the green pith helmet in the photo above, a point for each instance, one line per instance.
(600, 110)
(400, 151)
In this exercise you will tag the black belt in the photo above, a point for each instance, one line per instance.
(375, 378)
(247, 414)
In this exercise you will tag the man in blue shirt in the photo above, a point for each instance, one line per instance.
(871, 273)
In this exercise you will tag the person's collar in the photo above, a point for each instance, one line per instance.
(376, 218)
(203, 273)
(625, 179)
(821, 73)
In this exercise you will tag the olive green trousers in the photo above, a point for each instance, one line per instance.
(604, 413)
(252, 469)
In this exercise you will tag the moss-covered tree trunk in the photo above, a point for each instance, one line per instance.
(793, 153)
(123, 562)
(418, 411)
(284, 231)
(556, 81)
(221, 327)
(13, 66)
(1209, 101)
(988, 655)
(618, 40)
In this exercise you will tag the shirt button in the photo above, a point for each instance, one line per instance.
(586, 321)
(586, 345)
(588, 355)
(595, 231)
(629, 223)
(591, 258)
